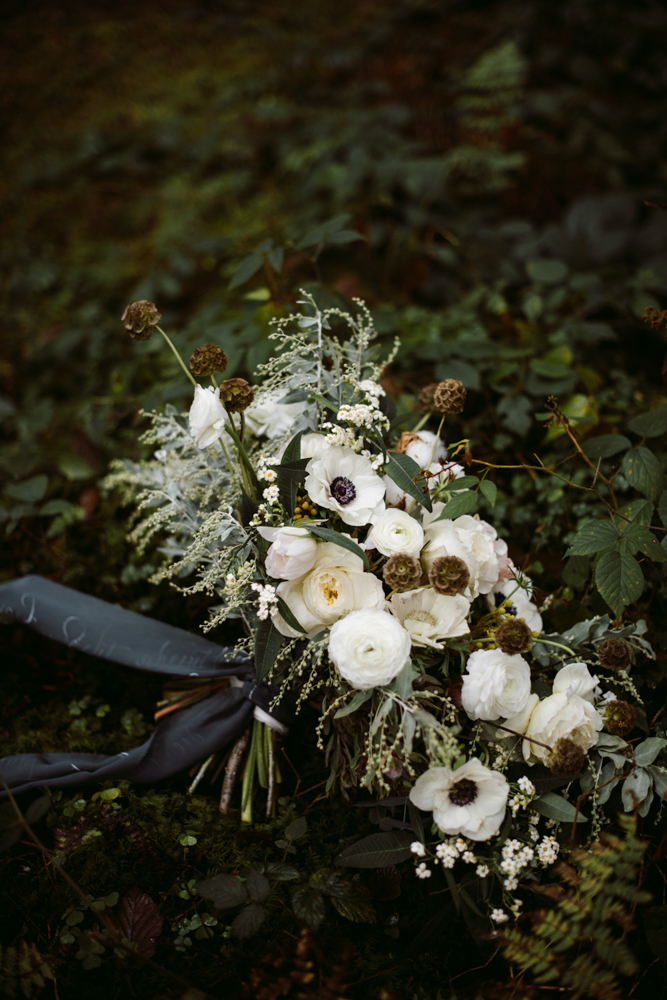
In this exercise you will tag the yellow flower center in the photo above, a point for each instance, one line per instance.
(420, 616)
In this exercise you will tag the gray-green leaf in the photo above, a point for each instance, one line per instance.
(556, 807)
(646, 752)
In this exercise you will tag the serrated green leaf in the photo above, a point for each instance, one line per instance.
(662, 509)
(605, 445)
(462, 503)
(224, 891)
(297, 828)
(594, 536)
(257, 886)
(308, 905)
(30, 490)
(268, 641)
(249, 265)
(549, 369)
(377, 851)
(548, 271)
(639, 512)
(556, 807)
(249, 920)
(643, 471)
(353, 906)
(404, 470)
(650, 424)
(619, 579)
(637, 538)
(329, 535)
(278, 871)
(489, 490)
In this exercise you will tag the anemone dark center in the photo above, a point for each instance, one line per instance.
(343, 490)
(463, 792)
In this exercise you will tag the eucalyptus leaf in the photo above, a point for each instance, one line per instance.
(556, 807)
(358, 699)
(635, 789)
(647, 751)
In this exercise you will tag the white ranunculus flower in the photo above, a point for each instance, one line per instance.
(312, 445)
(430, 617)
(266, 416)
(558, 716)
(469, 801)
(292, 553)
(207, 416)
(339, 479)
(521, 604)
(426, 447)
(466, 538)
(575, 678)
(368, 648)
(394, 495)
(335, 586)
(395, 531)
(495, 685)
(519, 723)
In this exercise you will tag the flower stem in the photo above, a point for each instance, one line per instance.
(559, 645)
(178, 357)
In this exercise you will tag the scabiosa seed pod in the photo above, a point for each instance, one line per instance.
(140, 319)
(236, 394)
(402, 571)
(449, 396)
(620, 717)
(614, 654)
(566, 758)
(513, 636)
(449, 575)
(208, 359)
(425, 397)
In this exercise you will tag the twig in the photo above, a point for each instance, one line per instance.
(200, 774)
(522, 736)
(231, 771)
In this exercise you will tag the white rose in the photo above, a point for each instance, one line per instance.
(495, 685)
(426, 447)
(339, 479)
(466, 538)
(559, 716)
(469, 801)
(311, 445)
(519, 723)
(576, 679)
(368, 648)
(292, 553)
(395, 531)
(521, 605)
(334, 587)
(430, 617)
(267, 416)
(207, 416)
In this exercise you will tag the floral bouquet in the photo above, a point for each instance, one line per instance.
(353, 552)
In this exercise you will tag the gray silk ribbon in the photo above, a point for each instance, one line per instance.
(113, 633)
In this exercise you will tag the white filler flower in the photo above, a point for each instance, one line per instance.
(369, 648)
(207, 416)
(467, 538)
(430, 617)
(470, 801)
(339, 479)
(395, 531)
(495, 685)
(334, 587)
(292, 553)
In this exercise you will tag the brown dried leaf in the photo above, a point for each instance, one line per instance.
(140, 921)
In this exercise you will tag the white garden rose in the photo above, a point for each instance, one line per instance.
(469, 801)
(368, 648)
(425, 447)
(207, 416)
(521, 605)
(292, 553)
(561, 716)
(336, 585)
(431, 617)
(495, 685)
(395, 531)
(339, 479)
(466, 538)
(575, 678)
(268, 417)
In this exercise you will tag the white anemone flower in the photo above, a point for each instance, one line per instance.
(431, 617)
(339, 479)
(469, 801)
(521, 605)
(368, 648)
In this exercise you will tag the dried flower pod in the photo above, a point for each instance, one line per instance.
(208, 359)
(449, 396)
(449, 575)
(513, 636)
(140, 319)
(566, 758)
(614, 654)
(236, 395)
(425, 397)
(402, 572)
(620, 717)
